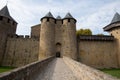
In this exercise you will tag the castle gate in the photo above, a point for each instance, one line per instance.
(58, 50)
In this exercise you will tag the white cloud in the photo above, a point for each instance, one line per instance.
(89, 14)
(49, 1)
(99, 19)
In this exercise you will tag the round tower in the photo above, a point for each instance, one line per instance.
(7, 23)
(69, 47)
(114, 29)
(7, 27)
(47, 36)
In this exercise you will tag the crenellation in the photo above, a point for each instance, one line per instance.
(20, 36)
(96, 38)
(27, 36)
(6, 20)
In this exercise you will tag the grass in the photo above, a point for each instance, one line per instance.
(113, 72)
(5, 68)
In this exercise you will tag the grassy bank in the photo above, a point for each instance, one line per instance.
(113, 72)
(5, 68)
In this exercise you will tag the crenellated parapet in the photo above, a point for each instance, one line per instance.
(23, 37)
(95, 38)
(7, 20)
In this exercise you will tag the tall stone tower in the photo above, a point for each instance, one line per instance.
(114, 29)
(69, 42)
(47, 36)
(7, 27)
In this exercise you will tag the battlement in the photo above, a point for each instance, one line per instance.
(23, 37)
(7, 20)
(96, 38)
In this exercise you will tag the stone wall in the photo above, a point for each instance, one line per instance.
(20, 51)
(98, 54)
(83, 72)
(3, 40)
(35, 31)
(28, 72)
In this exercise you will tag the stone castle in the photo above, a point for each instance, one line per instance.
(57, 37)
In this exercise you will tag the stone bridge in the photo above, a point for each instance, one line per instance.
(56, 69)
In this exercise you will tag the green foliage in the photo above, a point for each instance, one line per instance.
(100, 34)
(113, 72)
(5, 68)
(84, 32)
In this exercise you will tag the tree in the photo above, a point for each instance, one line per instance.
(100, 34)
(84, 32)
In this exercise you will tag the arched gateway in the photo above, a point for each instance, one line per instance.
(58, 50)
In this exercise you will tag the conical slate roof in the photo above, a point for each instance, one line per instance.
(49, 14)
(5, 12)
(114, 23)
(116, 18)
(58, 17)
(68, 15)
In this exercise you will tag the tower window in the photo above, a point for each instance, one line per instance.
(62, 21)
(68, 20)
(47, 19)
(13, 23)
(55, 21)
(8, 20)
(1, 18)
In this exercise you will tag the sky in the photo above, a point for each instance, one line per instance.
(90, 14)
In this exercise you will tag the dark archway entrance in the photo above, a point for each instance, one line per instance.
(58, 50)
(58, 54)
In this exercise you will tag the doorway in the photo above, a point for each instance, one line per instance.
(58, 50)
(58, 54)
